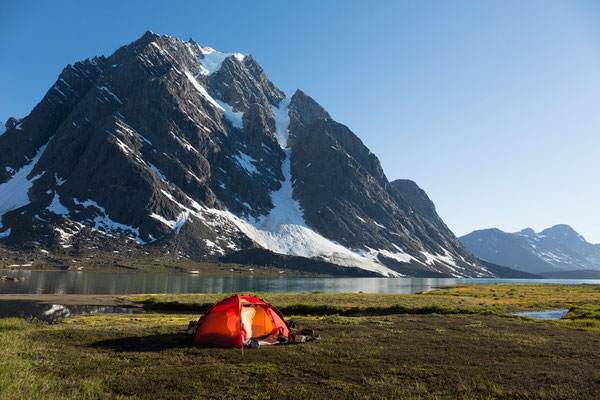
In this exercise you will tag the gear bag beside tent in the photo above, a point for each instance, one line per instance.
(239, 320)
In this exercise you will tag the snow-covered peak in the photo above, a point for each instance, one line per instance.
(212, 60)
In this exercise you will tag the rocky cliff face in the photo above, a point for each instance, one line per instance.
(170, 145)
(555, 249)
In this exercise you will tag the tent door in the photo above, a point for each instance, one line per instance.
(247, 318)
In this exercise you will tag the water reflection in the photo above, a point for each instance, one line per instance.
(84, 282)
(55, 312)
(545, 314)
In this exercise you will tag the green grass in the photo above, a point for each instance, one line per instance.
(456, 344)
(525, 296)
(460, 299)
(396, 356)
(19, 377)
(584, 312)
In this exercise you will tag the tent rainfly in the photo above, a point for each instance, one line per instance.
(239, 321)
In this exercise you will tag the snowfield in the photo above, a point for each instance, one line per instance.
(212, 60)
(284, 230)
(14, 193)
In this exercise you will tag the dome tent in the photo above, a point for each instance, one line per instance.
(238, 320)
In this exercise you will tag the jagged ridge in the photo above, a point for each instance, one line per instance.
(181, 147)
(558, 248)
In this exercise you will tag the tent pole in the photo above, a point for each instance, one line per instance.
(241, 331)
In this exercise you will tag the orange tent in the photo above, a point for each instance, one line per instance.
(238, 320)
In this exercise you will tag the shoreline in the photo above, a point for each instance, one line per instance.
(108, 300)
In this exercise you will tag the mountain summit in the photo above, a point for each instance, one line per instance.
(173, 146)
(555, 249)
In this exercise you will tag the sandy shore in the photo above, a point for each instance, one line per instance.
(71, 299)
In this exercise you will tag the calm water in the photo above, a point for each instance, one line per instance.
(82, 282)
(546, 314)
(55, 312)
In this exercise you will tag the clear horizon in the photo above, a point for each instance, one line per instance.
(491, 107)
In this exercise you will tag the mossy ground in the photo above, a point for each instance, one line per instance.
(460, 299)
(365, 352)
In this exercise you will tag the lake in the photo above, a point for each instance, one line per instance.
(97, 282)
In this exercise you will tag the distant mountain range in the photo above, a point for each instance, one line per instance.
(177, 148)
(556, 252)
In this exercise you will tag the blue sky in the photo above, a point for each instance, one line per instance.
(492, 107)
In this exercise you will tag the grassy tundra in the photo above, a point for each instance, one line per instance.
(454, 343)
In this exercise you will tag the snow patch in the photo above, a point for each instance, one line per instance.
(212, 60)
(128, 129)
(181, 220)
(158, 217)
(105, 91)
(175, 225)
(213, 247)
(57, 208)
(64, 237)
(121, 145)
(102, 222)
(14, 193)
(234, 117)
(399, 256)
(183, 216)
(59, 181)
(282, 121)
(157, 172)
(447, 260)
(247, 162)
(4, 234)
(202, 91)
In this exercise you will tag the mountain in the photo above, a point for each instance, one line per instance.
(555, 249)
(173, 147)
(508, 273)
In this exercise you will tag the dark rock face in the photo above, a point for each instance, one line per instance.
(417, 198)
(303, 111)
(170, 145)
(558, 248)
(24, 137)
